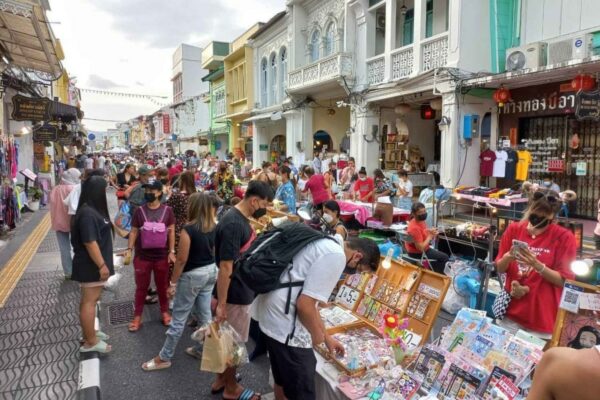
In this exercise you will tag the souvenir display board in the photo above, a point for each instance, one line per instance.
(578, 319)
(403, 290)
(473, 359)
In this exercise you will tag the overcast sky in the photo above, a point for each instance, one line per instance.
(127, 45)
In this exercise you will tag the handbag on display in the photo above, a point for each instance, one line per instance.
(502, 300)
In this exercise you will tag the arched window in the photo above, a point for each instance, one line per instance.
(283, 72)
(329, 45)
(314, 42)
(263, 82)
(273, 84)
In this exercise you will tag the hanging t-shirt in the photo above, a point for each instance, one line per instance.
(500, 164)
(487, 158)
(511, 164)
(524, 158)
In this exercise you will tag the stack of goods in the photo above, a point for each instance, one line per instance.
(474, 359)
(335, 316)
(469, 231)
(492, 193)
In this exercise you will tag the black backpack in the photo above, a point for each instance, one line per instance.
(270, 257)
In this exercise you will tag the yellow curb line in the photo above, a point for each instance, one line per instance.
(15, 267)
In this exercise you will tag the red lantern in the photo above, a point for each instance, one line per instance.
(583, 82)
(502, 96)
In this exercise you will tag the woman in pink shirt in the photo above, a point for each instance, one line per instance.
(318, 188)
(61, 220)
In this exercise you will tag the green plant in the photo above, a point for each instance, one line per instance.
(35, 193)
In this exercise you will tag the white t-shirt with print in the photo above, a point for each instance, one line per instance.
(500, 164)
(407, 186)
(320, 265)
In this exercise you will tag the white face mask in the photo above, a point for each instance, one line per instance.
(328, 218)
(363, 178)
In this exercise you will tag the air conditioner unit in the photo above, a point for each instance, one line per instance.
(532, 55)
(574, 48)
(380, 20)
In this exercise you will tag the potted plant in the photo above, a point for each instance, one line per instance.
(35, 195)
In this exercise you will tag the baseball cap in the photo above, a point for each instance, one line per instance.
(154, 185)
(144, 170)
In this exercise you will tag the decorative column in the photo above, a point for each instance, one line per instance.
(390, 36)
(364, 147)
(418, 34)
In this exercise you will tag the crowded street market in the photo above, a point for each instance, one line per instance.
(353, 200)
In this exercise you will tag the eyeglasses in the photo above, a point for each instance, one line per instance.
(549, 197)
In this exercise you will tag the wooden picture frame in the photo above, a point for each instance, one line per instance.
(569, 327)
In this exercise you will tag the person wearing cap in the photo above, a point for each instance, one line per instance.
(151, 260)
(61, 220)
(135, 193)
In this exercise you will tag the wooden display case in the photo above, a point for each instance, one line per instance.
(394, 155)
(404, 290)
(278, 214)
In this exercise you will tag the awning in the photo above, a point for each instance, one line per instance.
(275, 116)
(65, 112)
(26, 38)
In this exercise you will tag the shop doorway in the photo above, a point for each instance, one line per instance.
(322, 140)
(277, 147)
(577, 144)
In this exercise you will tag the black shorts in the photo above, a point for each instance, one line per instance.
(293, 369)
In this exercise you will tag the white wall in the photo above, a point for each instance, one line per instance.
(472, 29)
(546, 19)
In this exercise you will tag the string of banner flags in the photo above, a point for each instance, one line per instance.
(151, 98)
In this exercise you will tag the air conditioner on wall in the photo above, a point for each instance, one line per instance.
(532, 55)
(573, 48)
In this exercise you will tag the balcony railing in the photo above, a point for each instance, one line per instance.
(376, 70)
(434, 52)
(321, 71)
(402, 62)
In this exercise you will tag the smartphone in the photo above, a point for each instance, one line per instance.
(520, 244)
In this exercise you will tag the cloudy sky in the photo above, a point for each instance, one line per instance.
(127, 45)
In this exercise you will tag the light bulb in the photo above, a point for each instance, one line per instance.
(581, 267)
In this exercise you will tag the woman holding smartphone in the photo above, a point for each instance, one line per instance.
(536, 254)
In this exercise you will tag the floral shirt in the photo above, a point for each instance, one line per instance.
(226, 183)
(286, 194)
(383, 185)
(179, 203)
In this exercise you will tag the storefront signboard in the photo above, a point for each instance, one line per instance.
(30, 109)
(166, 119)
(65, 137)
(46, 133)
(587, 105)
(550, 103)
(581, 168)
(263, 147)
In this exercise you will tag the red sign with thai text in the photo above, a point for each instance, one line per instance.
(556, 165)
(166, 123)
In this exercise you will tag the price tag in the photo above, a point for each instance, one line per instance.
(569, 300)
(589, 301)
(429, 291)
(413, 340)
(347, 296)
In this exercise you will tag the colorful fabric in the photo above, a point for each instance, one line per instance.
(287, 195)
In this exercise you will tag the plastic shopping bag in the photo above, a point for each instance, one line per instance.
(123, 219)
(222, 348)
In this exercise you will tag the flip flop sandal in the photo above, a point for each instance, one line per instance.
(153, 366)
(238, 378)
(191, 351)
(102, 336)
(151, 299)
(135, 325)
(247, 394)
(100, 347)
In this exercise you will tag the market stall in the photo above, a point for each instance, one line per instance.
(363, 212)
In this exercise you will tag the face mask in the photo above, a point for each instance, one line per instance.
(164, 181)
(547, 183)
(348, 263)
(328, 218)
(422, 217)
(259, 213)
(363, 178)
(150, 197)
(538, 222)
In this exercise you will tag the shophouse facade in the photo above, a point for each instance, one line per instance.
(239, 84)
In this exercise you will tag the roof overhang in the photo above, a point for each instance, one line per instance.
(26, 38)
(538, 76)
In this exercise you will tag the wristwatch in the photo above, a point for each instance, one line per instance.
(172, 251)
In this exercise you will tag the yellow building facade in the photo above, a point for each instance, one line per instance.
(239, 84)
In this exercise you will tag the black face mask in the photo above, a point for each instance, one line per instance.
(261, 212)
(164, 181)
(150, 197)
(538, 222)
(421, 217)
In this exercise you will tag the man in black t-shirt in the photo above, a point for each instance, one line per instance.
(233, 236)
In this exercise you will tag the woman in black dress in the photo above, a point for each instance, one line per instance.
(91, 238)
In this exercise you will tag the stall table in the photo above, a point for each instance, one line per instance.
(363, 212)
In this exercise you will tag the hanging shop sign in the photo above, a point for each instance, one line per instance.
(587, 105)
(166, 120)
(556, 165)
(581, 168)
(263, 147)
(65, 137)
(30, 109)
(45, 133)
